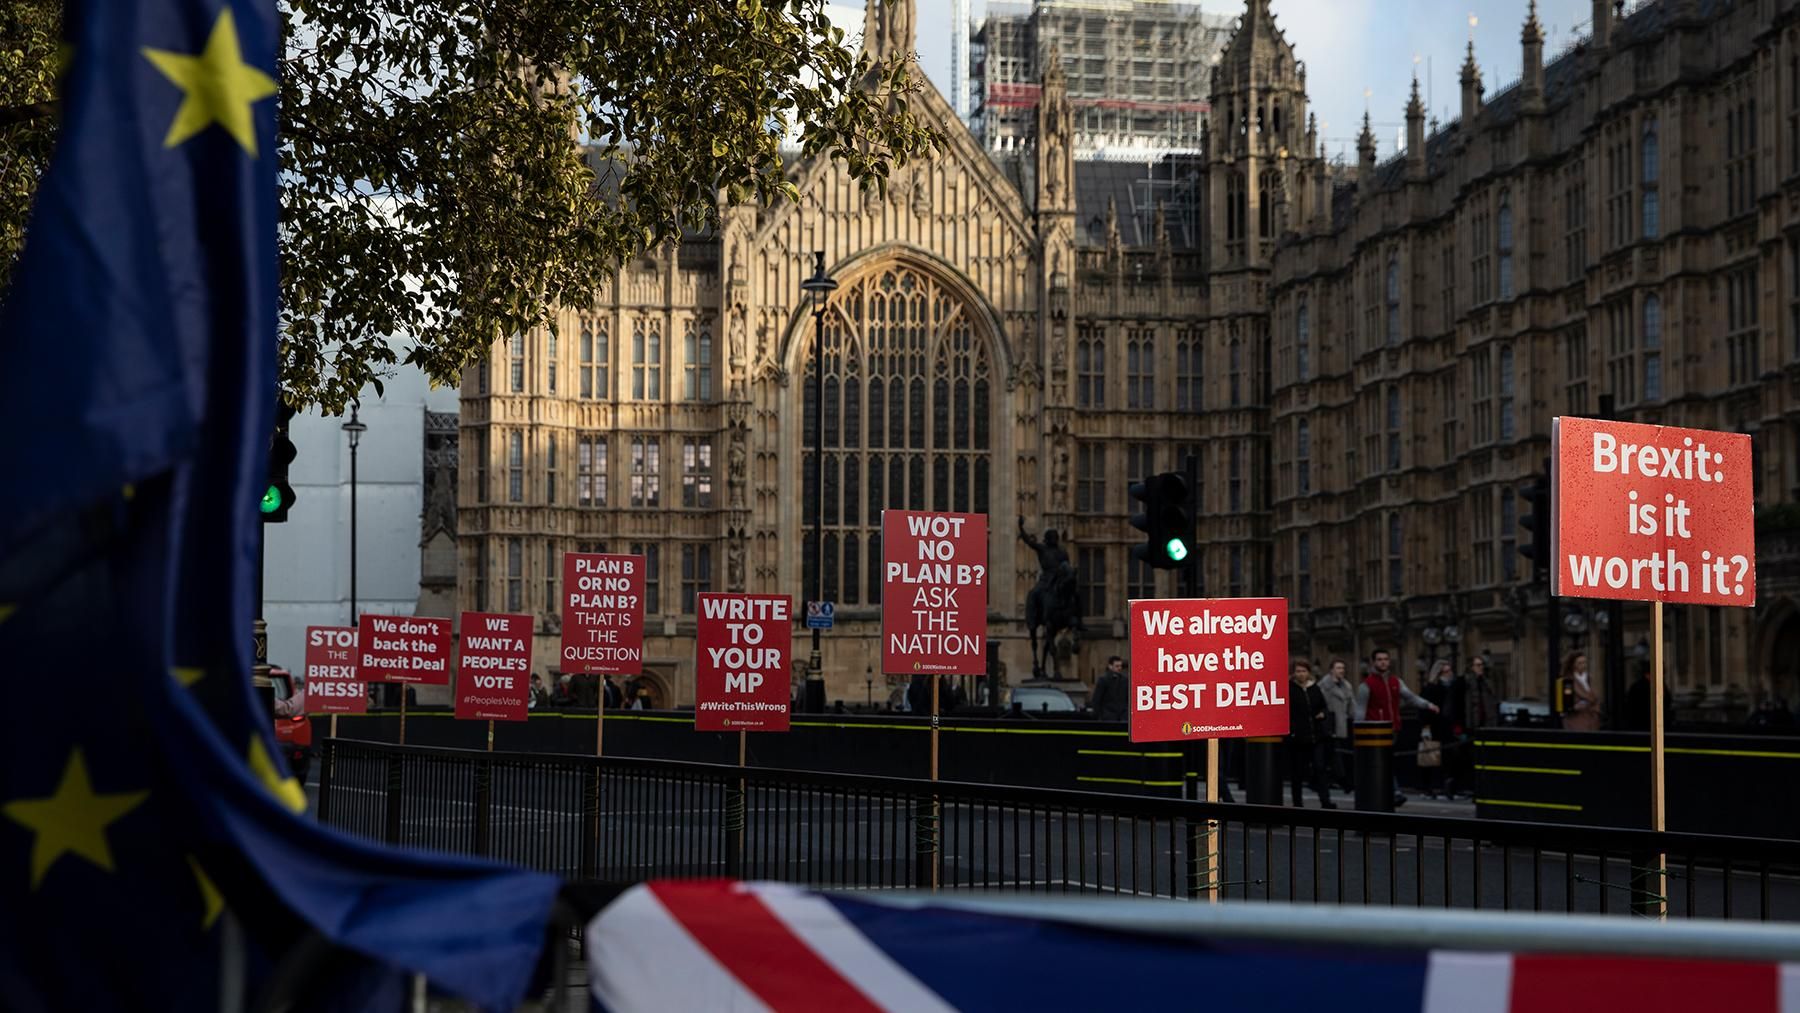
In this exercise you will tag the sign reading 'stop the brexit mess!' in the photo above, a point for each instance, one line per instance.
(1208, 668)
(331, 684)
(1652, 513)
(934, 593)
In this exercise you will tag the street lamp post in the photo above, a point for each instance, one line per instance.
(353, 431)
(818, 289)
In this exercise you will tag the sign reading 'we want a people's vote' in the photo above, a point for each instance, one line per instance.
(1652, 513)
(1208, 668)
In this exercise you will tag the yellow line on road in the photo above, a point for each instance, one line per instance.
(1529, 805)
(1527, 770)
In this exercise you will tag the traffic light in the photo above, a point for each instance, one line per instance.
(1167, 521)
(278, 495)
(1536, 521)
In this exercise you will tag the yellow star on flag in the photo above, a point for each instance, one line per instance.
(219, 87)
(187, 676)
(72, 821)
(285, 789)
(210, 898)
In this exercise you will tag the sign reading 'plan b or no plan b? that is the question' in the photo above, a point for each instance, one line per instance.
(1652, 513)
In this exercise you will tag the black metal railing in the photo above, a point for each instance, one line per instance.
(626, 820)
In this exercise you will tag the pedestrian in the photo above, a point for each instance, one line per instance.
(1112, 692)
(1340, 702)
(1307, 722)
(1379, 699)
(1480, 700)
(615, 698)
(538, 697)
(1443, 729)
(565, 691)
(1581, 705)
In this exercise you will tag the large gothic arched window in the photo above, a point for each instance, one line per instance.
(907, 420)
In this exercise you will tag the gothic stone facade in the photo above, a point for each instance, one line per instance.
(1365, 367)
(1623, 224)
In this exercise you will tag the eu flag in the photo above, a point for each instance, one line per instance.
(152, 851)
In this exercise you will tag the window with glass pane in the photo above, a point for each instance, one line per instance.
(518, 363)
(515, 467)
(1395, 566)
(1237, 373)
(1090, 477)
(1506, 393)
(697, 352)
(552, 568)
(1505, 228)
(646, 471)
(696, 574)
(1090, 564)
(1140, 369)
(1509, 528)
(481, 576)
(1303, 343)
(1303, 568)
(907, 415)
(515, 574)
(480, 451)
(1303, 457)
(696, 473)
(652, 554)
(1234, 486)
(1393, 301)
(1188, 371)
(550, 470)
(1652, 348)
(550, 358)
(590, 471)
(1140, 580)
(585, 368)
(1090, 366)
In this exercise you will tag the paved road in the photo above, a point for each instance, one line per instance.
(660, 828)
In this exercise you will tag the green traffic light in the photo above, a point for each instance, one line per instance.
(1177, 549)
(271, 500)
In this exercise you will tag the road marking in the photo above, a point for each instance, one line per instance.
(1529, 805)
(1132, 780)
(1126, 752)
(1528, 770)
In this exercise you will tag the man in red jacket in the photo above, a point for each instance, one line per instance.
(1379, 699)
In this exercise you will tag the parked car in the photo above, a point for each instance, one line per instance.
(1043, 699)
(292, 731)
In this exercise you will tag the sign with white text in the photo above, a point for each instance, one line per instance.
(330, 675)
(1652, 513)
(493, 669)
(742, 644)
(1208, 668)
(603, 614)
(411, 649)
(934, 593)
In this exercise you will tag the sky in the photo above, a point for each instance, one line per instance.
(1353, 46)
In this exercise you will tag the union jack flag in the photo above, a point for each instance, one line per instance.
(724, 945)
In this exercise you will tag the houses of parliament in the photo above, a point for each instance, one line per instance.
(1365, 360)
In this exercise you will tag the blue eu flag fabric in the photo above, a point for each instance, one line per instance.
(153, 850)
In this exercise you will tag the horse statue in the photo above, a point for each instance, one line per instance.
(1054, 604)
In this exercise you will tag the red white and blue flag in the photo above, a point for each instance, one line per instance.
(723, 945)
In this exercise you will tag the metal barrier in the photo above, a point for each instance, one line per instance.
(627, 820)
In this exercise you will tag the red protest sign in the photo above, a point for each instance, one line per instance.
(934, 593)
(414, 649)
(1652, 513)
(1208, 668)
(330, 676)
(603, 614)
(493, 670)
(742, 645)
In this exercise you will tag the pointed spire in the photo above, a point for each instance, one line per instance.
(1531, 43)
(1471, 81)
(889, 27)
(1415, 133)
(1113, 242)
(1534, 29)
(1055, 136)
(1365, 151)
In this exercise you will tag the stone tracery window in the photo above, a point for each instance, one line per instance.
(908, 414)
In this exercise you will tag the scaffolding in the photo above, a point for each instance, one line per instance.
(1137, 70)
